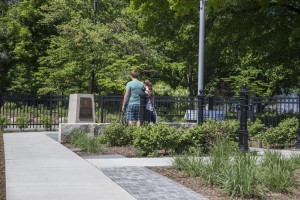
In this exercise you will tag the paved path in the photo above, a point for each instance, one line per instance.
(144, 184)
(39, 168)
(130, 162)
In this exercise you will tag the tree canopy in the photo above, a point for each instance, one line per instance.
(51, 46)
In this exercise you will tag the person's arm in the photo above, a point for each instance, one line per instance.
(126, 95)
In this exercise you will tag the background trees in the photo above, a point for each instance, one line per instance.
(52, 46)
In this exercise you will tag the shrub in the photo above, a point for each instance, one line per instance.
(82, 140)
(3, 122)
(184, 141)
(255, 128)
(115, 135)
(284, 133)
(22, 122)
(210, 131)
(46, 121)
(144, 140)
(150, 138)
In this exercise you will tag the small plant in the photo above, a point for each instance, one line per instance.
(240, 176)
(191, 162)
(151, 138)
(278, 171)
(255, 128)
(22, 122)
(3, 122)
(210, 131)
(282, 135)
(144, 140)
(46, 121)
(82, 140)
(117, 135)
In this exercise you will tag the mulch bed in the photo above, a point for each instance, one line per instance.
(198, 185)
(127, 151)
(2, 169)
(194, 183)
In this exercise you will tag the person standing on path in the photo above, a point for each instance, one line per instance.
(150, 117)
(131, 102)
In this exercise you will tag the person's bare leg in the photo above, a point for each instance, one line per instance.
(130, 123)
(138, 123)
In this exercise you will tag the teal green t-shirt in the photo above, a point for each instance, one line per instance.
(135, 88)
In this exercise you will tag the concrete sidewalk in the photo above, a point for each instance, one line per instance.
(39, 168)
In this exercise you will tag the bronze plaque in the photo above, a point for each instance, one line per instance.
(85, 109)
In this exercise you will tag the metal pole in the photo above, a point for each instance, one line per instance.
(201, 106)
(298, 131)
(243, 132)
(201, 45)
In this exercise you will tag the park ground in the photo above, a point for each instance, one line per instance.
(194, 183)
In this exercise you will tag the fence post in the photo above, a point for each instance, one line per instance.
(298, 132)
(210, 103)
(244, 106)
(51, 97)
(200, 107)
(101, 109)
(143, 102)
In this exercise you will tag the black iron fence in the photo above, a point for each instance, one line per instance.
(49, 111)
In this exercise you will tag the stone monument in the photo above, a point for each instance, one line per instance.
(81, 116)
(81, 108)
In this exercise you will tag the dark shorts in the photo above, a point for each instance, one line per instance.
(133, 112)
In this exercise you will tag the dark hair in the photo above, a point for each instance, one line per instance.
(149, 85)
(134, 74)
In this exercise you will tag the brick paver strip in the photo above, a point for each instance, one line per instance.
(145, 184)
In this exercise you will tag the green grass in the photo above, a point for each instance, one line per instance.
(278, 171)
(85, 142)
(241, 174)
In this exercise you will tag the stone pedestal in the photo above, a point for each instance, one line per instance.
(81, 108)
(91, 129)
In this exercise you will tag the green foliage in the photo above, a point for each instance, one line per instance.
(82, 140)
(241, 174)
(150, 138)
(284, 133)
(22, 121)
(144, 141)
(191, 162)
(256, 127)
(46, 121)
(278, 172)
(210, 131)
(162, 89)
(3, 122)
(240, 177)
(117, 135)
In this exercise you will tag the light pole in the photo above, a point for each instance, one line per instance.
(201, 45)
(201, 61)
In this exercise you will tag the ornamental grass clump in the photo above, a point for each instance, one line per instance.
(240, 176)
(191, 162)
(219, 159)
(239, 173)
(85, 142)
(278, 171)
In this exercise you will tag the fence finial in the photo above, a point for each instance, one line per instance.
(200, 92)
(244, 86)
